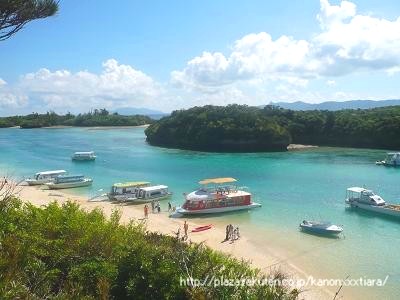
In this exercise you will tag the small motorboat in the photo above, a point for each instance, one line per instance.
(322, 228)
(202, 228)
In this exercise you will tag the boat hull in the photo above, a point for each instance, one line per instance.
(320, 231)
(384, 210)
(216, 210)
(84, 159)
(69, 185)
(36, 182)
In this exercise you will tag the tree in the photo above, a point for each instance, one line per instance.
(15, 14)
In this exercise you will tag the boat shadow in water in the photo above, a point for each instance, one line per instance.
(323, 235)
(370, 214)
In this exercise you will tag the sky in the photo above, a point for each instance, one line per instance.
(167, 55)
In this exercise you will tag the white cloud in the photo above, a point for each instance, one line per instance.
(10, 100)
(348, 43)
(331, 82)
(255, 56)
(116, 85)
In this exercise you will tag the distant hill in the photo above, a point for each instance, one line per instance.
(333, 105)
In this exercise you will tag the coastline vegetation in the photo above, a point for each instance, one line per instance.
(64, 252)
(98, 117)
(219, 128)
(243, 128)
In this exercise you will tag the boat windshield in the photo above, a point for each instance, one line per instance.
(220, 189)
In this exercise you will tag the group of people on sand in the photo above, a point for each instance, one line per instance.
(185, 232)
(155, 207)
(232, 233)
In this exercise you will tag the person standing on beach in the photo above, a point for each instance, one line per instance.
(152, 206)
(169, 206)
(146, 211)
(227, 232)
(186, 228)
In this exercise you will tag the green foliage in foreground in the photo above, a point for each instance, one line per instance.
(244, 128)
(95, 118)
(63, 252)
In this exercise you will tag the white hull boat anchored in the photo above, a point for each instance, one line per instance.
(150, 193)
(126, 191)
(320, 228)
(45, 177)
(362, 198)
(84, 156)
(67, 182)
(217, 195)
(392, 160)
(138, 192)
(216, 210)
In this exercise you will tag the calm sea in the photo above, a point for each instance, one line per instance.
(291, 186)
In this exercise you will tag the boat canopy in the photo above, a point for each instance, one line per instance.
(154, 188)
(84, 153)
(356, 189)
(69, 178)
(55, 172)
(217, 180)
(130, 184)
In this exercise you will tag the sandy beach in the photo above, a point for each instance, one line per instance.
(162, 223)
(297, 147)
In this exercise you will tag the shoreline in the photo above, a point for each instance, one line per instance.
(95, 127)
(264, 258)
(299, 147)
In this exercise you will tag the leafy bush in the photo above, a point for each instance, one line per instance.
(64, 252)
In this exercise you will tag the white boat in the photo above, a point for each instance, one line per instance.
(321, 228)
(216, 195)
(392, 160)
(89, 155)
(150, 193)
(69, 181)
(126, 191)
(362, 198)
(44, 177)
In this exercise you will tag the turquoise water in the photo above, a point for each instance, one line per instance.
(291, 186)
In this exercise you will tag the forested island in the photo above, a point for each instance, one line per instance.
(98, 117)
(241, 128)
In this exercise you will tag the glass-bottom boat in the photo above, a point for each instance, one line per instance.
(126, 191)
(217, 195)
(45, 177)
(69, 181)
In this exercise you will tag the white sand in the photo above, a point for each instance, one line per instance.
(294, 147)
